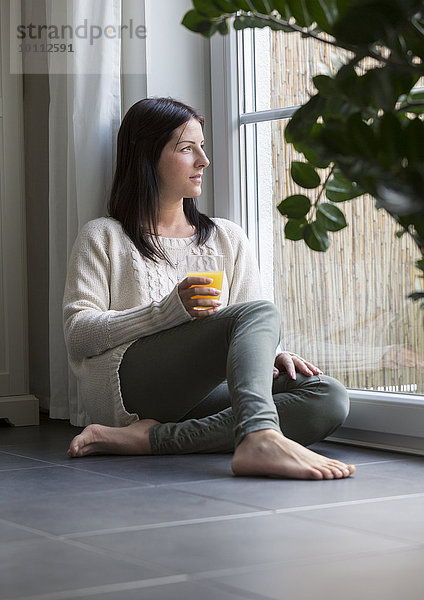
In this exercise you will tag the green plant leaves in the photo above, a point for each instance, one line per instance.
(301, 123)
(246, 21)
(324, 13)
(316, 237)
(330, 217)
(341, 189)
(304, 175)
(207, 8)
(300, 12)
(225, 6)
(365, 121)
(295, 206)
(293, 229)
(414, 141)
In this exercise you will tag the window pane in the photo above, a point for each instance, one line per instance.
(279, 68)
(346, 309)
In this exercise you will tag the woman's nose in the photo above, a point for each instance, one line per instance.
(202, 160)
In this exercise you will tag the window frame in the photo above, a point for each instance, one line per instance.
(385, 420)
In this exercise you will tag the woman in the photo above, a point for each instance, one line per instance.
(157, 375)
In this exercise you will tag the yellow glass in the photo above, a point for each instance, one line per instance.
(206, 265)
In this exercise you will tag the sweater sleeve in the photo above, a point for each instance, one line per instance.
(90, 326)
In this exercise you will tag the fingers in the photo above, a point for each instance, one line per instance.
(201, 313)
(189, 282)
(197, 299)
(200, 291)
(292, 363)
(289, 365)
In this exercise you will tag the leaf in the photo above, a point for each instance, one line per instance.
(416, 296)
(260, 6)
(304, 175)
(246, 21)
(223, 27)
(240, 4)
(282, 8)
(365, 23)
(416, 96)
(420, 264)
(228, 7)
(330, 217)
(301, 123)
(324, 12)
(341, 189)
(391, 140)
(326, 85)
(207, 8)
(314, 154)
(295, 206)
(414, 141)
(361, 136)
(294, 229)
(315, 237)
(413, 103)
(300, 12)
(198, 23)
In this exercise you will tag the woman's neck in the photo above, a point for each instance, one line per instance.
(173, 223)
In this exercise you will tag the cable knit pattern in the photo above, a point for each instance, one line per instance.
(113, 296)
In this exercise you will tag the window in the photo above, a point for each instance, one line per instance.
(346, 309)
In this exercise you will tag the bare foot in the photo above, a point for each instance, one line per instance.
(99, 439)
(269, 453)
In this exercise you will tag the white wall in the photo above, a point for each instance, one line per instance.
(178, 65)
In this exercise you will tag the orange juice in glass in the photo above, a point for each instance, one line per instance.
(206, 265)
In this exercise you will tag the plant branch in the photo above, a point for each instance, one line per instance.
(318, 198)
(311, 34)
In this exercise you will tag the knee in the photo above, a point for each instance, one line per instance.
(265, 309)
(336, 400)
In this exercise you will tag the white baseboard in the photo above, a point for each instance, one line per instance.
(20, 410)
(388, 421)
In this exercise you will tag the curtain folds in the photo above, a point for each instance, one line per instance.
(84, 117)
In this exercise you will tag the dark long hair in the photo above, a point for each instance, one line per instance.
(134, 198)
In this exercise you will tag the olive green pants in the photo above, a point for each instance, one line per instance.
(210, 382)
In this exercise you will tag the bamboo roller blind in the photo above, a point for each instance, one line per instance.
(346, 309)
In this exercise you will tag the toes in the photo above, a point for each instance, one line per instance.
(75, 446)
(346, 470)
(316, 474)
(338, 473)
(327, 473)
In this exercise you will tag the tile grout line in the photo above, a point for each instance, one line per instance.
(218, 518)
(103, 589)
(165, 524)
(80, 544)
(347, 503)
(200, 520)
(46, 466)
(199, 576)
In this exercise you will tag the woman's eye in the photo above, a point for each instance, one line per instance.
(186, 148)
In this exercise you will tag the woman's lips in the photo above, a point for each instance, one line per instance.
(197, 178)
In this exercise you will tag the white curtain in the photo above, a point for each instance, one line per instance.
(84, 117)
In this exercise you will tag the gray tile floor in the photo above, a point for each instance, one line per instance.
(159, 528)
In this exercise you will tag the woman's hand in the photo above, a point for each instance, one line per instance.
(291, 362)
(196, 306)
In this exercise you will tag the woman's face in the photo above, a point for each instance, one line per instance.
(181, 163)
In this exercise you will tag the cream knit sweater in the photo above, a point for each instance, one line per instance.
(113, 296)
